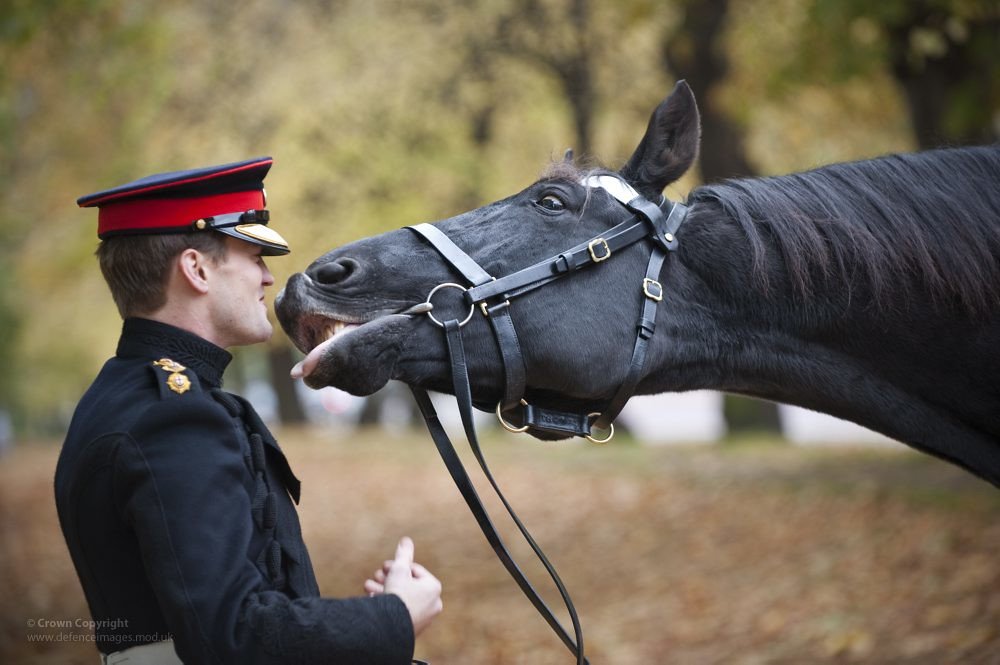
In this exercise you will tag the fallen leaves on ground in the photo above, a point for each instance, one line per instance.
(761, 554)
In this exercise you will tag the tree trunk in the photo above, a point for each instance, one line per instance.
(695, 52)
(952, 93)
(280, 361)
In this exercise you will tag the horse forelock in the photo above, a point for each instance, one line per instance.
(567, 171)
(930, 218)
(574, 172)
(562, 170)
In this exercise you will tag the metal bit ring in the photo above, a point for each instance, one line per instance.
(472, 308)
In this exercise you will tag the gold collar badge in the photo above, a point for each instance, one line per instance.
(176, 381)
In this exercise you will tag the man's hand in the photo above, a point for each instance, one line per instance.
(419, 590)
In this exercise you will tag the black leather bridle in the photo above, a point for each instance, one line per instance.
(492, 297)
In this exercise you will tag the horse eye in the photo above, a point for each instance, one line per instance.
(552, 202)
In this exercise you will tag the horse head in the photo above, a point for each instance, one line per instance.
(353, 309)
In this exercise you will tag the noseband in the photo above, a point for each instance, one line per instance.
(492, 296)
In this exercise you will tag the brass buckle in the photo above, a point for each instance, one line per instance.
(657, 292)
(482, 307)
(597, 243)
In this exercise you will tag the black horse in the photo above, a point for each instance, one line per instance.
(866, 290)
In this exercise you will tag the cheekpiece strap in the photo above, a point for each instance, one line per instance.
(452, 253)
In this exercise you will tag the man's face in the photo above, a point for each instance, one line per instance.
(238, 309)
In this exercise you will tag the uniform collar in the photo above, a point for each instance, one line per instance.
(155, 340)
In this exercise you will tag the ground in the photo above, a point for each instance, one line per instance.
(748, 554)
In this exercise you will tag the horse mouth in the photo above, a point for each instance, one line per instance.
(354, 348)
(316, 334)
(316, 329)
(357, 354)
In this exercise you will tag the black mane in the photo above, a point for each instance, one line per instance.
(931, 217)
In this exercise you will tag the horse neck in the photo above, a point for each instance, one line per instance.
(885, 355)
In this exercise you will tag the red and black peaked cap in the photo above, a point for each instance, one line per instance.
(228, 198)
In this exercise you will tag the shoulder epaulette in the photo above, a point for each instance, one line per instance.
(175, 380)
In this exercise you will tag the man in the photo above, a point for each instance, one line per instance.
(174, 498)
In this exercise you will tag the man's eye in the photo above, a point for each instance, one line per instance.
(552, 202)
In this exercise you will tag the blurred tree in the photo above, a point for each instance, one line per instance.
(75, 76)
(380, 114)
(944, 54)
(695, 50)
(9, 323)
(941, 53)
(559, 37)
(588, 50)
(280, 358)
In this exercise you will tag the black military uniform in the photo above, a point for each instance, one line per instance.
(176, 503)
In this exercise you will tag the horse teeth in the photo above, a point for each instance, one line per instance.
(334, 328)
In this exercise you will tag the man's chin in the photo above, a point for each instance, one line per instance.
(265, 333)
(250, 337)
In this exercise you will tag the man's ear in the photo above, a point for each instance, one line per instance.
(193, 269)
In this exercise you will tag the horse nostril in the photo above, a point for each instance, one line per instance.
(336, 271)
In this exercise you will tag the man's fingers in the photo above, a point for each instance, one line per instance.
(418, 570)
(374, 588)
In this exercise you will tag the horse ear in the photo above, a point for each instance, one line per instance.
(670, 145)
(568, 156)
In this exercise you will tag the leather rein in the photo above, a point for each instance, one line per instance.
(492, 297)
